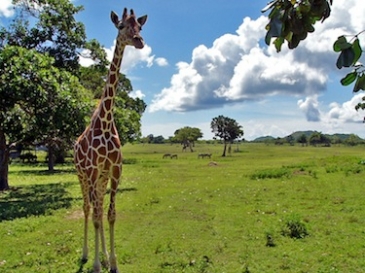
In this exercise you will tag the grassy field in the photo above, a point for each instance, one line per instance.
(262, 209)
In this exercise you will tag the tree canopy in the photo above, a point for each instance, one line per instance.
(227, 129)
(187, 136)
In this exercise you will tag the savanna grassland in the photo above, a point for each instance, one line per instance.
(261, 209)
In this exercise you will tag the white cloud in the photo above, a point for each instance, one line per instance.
(238, 67)
(85, 59)
(137, 94)
(345, 112)
(161, 61)
(6, 8)
(133, 57)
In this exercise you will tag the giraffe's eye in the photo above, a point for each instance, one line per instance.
(120, 26)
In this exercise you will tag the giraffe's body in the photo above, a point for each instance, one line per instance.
(97, 153)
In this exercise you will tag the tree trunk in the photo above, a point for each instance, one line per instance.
(4, 163)
(51, 158)
(224, 149)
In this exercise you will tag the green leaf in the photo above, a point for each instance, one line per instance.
(350, 78)
(357, 50)
(346, 58)
(360, 83)
(341, 44)
(278, 43)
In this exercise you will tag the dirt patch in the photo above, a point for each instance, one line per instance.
(75, 215)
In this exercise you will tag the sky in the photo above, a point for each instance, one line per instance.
(205, 58)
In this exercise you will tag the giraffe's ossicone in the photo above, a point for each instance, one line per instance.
(97, 152)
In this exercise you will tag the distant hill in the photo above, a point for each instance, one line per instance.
(263, 139)
(308, 133)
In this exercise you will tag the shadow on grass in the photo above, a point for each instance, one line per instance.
(43, 172)
(34, 200)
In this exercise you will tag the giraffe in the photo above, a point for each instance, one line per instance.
(97, 152)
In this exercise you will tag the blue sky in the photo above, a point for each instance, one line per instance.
(207, 58)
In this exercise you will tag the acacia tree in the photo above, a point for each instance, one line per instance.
(227, 129)
(187, 136)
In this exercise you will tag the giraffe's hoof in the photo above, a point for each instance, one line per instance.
(114, 270)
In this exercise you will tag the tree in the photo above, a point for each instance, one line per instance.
(319, 138)
(292, 20)
(55, 32)
(187, 136)
(353, 140)
(36, 103)
(226, 129)
(302, 139)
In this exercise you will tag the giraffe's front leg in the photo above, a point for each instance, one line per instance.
(86, 209)
(111, 220)
(105, 257)
(97, 222)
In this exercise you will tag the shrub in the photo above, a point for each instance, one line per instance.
(294, 228)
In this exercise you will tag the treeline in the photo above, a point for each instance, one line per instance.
(314, 139)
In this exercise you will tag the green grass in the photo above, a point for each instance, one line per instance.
(241, 214)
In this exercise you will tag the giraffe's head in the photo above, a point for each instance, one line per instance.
(129, 27)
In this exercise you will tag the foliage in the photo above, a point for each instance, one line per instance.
(37, 99)
(271, 174)
(226, 129)
(319, 138)
(56, 32)
(127, 115)
(294, 227)
(350, 53)
(187, 136)
(292, 20)
(302, 139)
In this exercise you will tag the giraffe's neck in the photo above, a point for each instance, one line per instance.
(104, 114)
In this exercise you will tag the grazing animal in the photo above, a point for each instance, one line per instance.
(173, 156)
(166, 155)
(204, 155)
(97, 153)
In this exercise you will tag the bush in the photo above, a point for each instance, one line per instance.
(294, 228)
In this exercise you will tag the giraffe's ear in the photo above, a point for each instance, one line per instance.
(114, 18)
(142, 20)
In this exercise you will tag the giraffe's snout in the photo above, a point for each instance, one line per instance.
(138, 42)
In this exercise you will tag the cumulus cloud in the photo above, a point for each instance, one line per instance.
(161, 61)
(345, 112)
(239, 67)
(310, 107)
(6, 8)
(137, 94)
(132, 57)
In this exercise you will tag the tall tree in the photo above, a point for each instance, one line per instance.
(187, 136)
(227, 129)
(36, 102)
